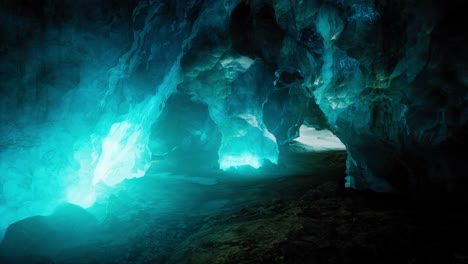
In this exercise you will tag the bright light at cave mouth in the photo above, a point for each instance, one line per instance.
(319, 140)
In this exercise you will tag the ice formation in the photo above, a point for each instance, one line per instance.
(88, 101)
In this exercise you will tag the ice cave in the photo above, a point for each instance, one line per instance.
(233, 131)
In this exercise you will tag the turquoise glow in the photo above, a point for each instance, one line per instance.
(84, 196)
(124, 150)
(97, 129)
(121, 151)
(244, 159)
(247, 146)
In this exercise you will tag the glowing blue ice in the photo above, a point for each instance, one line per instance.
(122, 149)
(237, 160)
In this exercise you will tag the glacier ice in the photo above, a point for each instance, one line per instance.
(84, 101)
(125, 153)
(96, 131)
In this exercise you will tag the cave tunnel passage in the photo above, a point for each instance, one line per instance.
(176, 194)
(246, 131)
(101, 106)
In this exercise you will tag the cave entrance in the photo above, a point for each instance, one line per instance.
(313, 139)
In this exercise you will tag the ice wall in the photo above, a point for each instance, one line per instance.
(375, 70)
(87, 89)
(54, 75)
(84, 84)
(67, 139)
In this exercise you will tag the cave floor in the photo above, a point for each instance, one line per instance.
(296, 212)
(163, 218)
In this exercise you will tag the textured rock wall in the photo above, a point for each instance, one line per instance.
(389, 77)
